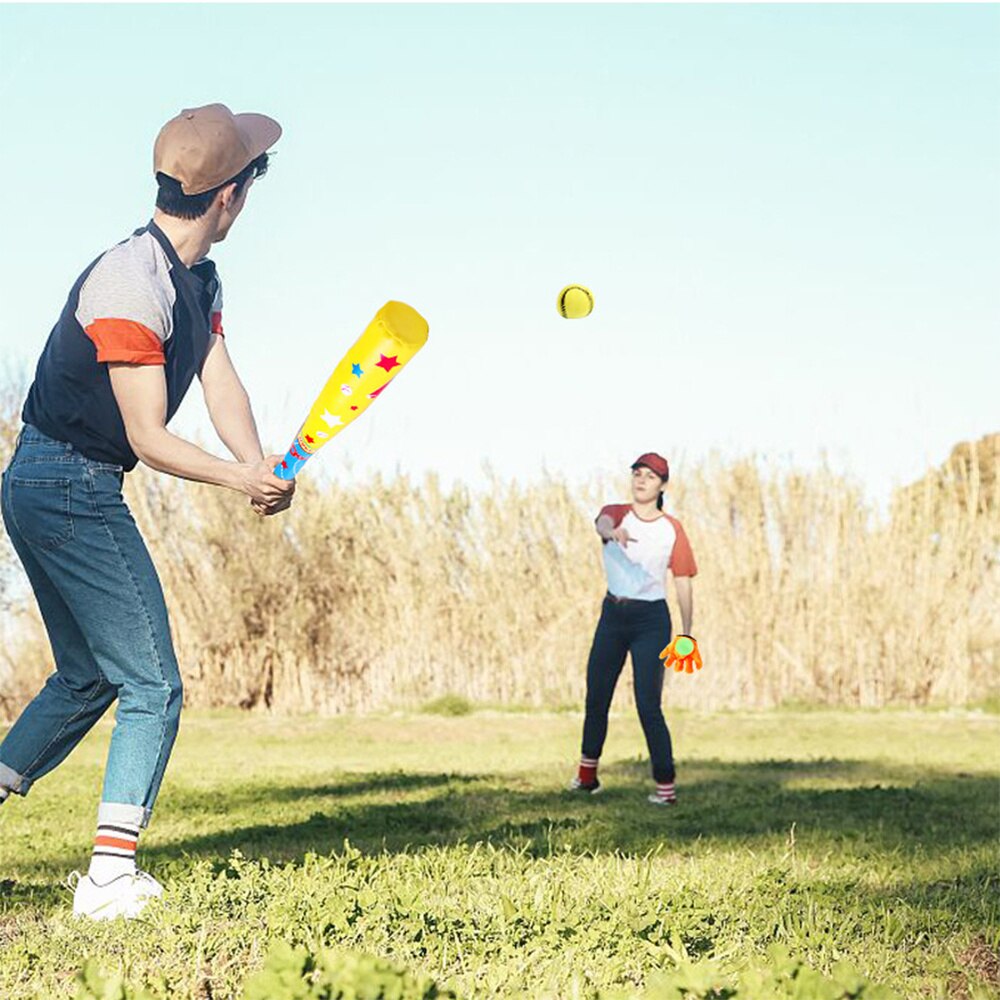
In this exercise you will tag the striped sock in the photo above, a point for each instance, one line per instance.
(114, 851)
(665, 791)
(588, 770)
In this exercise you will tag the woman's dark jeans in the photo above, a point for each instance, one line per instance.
(641, 628)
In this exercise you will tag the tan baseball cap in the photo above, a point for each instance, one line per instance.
(204, 147)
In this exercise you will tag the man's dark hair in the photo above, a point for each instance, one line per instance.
(171, 200)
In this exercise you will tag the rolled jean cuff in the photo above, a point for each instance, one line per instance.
(122, 812)
(9, 778)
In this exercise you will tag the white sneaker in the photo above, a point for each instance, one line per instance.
(576, 785)
(125, 896)
(655, 800)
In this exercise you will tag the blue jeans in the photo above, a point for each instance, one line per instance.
(641, 628)
(104, 612)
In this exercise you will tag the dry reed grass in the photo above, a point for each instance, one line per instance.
(398, 591)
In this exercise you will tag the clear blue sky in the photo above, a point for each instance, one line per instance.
(789, 216)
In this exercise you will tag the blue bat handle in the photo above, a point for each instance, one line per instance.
(290, 466)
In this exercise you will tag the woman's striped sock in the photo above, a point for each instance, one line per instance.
(665, 791)
(114, 850)
(588, 770)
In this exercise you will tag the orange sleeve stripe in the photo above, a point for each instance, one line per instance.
(124, 845)
(682, 558)
(125, 340)
(616, 511)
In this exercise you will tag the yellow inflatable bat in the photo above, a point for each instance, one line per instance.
(392, 338)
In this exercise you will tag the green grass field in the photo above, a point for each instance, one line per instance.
(445, 845)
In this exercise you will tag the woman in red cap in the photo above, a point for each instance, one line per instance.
(641, 543)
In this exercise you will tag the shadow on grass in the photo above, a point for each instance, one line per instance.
(876, 808)
(869, 809)
(17, 895)
(349, 784)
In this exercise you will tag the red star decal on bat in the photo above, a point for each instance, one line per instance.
(387, 363)
(284, 464)
(379, 390)
(353, 407)
(309, 440)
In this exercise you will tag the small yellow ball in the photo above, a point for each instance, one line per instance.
(575, 302)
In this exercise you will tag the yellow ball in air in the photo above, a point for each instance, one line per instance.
(575, 302)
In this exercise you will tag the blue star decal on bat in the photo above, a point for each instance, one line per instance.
(357, 370)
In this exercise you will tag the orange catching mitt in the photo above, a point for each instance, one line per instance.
(682, 654)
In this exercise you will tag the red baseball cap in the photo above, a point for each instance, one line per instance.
(653, 462)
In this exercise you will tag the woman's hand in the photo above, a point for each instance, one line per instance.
(682, 654)
(609, 533)
(622, 537)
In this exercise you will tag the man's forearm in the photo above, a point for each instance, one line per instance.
(165, 452)
(233, 420)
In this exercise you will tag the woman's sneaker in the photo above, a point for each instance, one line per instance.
(576, 785)
(125, 896)
(660, 800)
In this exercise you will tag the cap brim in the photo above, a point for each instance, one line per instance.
(260, 132)
(646, 465)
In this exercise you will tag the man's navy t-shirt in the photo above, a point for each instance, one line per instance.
(138, 304)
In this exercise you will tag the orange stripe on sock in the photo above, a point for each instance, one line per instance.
(124, 845)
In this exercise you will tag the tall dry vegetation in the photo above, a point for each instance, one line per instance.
(396, 591)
